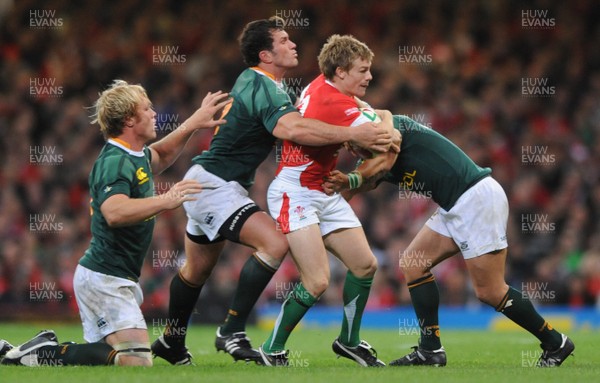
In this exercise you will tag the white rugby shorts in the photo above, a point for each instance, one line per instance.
(213, 206)
(477, 221)
(107, 303)
(295, 207)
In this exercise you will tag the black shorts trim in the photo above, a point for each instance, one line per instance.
(232, 226)
(203, 239)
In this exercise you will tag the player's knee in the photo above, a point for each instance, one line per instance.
(488, 295)
(365, 269)
(269, 260)
(196, 270)
(277, 247)
(414, 268)
(316, 285)
(133, 354)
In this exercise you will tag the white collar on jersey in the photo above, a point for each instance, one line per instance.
(125, 148)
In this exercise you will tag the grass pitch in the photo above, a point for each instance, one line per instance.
(473, 356)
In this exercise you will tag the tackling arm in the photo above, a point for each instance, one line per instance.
(365, 177)
(308, 131)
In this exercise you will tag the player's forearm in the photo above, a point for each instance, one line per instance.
(311, 132)
(170, 147)
(375, 168)
(121, 210)
(308, 131)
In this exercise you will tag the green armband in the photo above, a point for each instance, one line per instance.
(355, 179)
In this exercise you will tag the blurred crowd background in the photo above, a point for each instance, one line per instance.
(515, 84)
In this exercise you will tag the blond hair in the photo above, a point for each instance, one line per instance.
(341, 51)
(115, 105)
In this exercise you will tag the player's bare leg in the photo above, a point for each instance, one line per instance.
(260, 232)
(487, 275)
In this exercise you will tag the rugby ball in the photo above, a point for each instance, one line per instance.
(369, 114)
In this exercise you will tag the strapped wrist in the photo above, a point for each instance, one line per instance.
(355, 179)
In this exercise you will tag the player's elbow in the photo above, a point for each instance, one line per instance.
(112, 211)
(289, 127)
(113, 219)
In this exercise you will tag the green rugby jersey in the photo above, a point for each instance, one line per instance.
(241, 145)
(431, 165)
(119, 251)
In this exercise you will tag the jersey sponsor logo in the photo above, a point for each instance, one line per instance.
(408, 179)
(409, 189)
(142, 176)
(351, 111)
